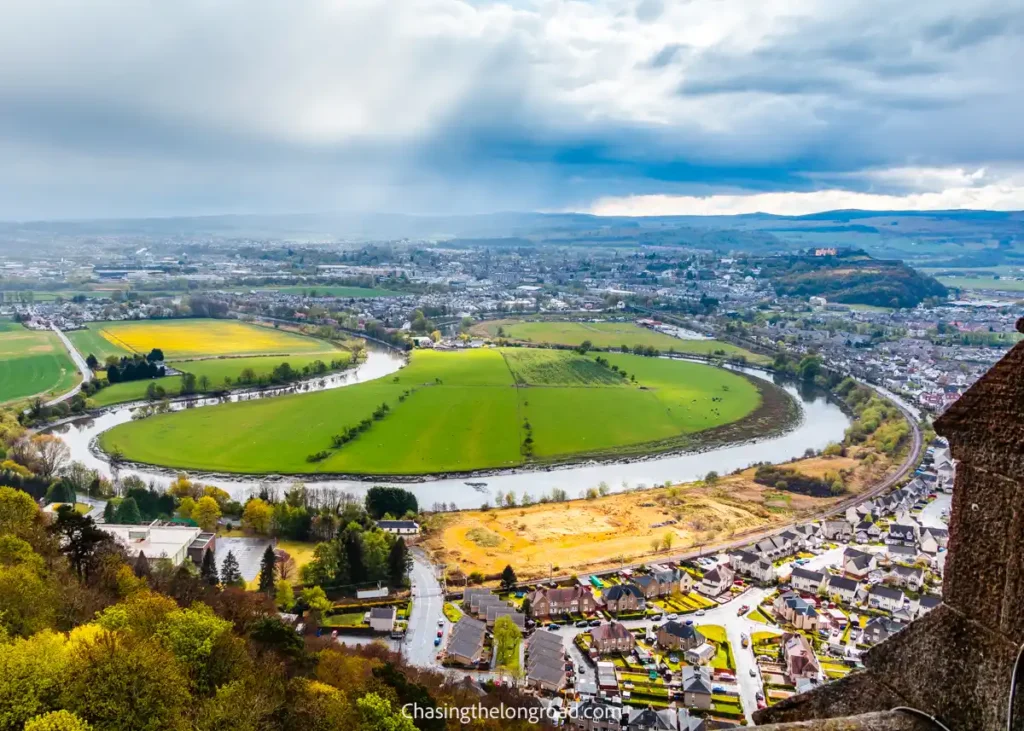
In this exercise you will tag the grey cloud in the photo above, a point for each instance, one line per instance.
(648, 11)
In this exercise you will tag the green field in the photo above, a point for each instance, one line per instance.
(313, 290)
(453, 412)
(999, 285)
(33, 362)
(91, 342)
(608, 335)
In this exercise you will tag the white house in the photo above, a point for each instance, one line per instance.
(806, 580)
(700, 655)
(399, 527)
(717, 580)
(382, 619)
(884, 597)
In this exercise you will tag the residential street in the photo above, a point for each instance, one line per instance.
(427, 608)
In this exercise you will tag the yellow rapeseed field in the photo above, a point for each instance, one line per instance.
(195, 338)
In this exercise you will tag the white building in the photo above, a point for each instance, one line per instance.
(155, 541)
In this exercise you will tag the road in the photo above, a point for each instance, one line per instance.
(427, 609)
(80, 363)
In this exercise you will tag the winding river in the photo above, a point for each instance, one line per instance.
(822, 421)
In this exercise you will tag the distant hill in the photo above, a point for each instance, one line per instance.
(850, 277)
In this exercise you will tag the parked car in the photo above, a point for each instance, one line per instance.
(672, 616)
(440, 623)
(700, 612)
(437, 641)
(753, 673)
(583, 623)
(554, 627)
(595, 623)
(742, 610)
(718, 689)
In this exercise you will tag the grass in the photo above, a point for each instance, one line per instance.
(33, 362)
(344, 619)
(452, 612)
(608, 335)
(757, 615)
(1001, 285)
(715, 633)
(90, 341)
(194, 338)
(450, 412)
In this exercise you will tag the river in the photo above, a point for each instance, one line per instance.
(822, 422)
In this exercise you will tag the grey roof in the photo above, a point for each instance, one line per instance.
(842, 584)
(467, 637)
(404, 524)
(617, 592)
(696, 680)
(681, 630)
(879, 590)
(553, 674)
(905, 531)
(666, 576)
(808, 574)
(382, 613)
(542, 638)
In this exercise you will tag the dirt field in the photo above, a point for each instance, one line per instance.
(590, 534)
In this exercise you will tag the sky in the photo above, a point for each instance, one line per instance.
(122, 108)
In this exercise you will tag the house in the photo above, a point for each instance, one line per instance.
(865, 532)
(808, 533)
(156, 542)
(795, 610)
(612, 637)
(399, 527)
(899, 534)
(799, 657)
(648, 585)
(382, 619)
(504, 610)
(926, 604)
(547, 603)
(883, 597)
(879, 629)
(908, 577)
(717, 580)
(901, 553)
(857, 564)
(623, 598)
(932, 539)
(806, 580)
(671, 581)
(545, 661)
(701, 654)
(836, 530)
(696, 687)
(607, 680)
(466, 642)
(597, 715)
(674, 635)
(842, 589)
(752, 565)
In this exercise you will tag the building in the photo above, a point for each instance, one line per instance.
(907, 577)
(857, 564)
(934, 539)
(674, 635)
(751, 564)
(701, 654)
(879, 629)
(597, 715)
(466, 642)
(799, 657)
(842, 589)
(545, 661)
(623, 598)
(696, 687)
(546, 603)
(399, 527)
(671, 581)
(156, 542)
(612, 637)
(792, 608)
(837, 530)
(884, 597)
(382, 619)
(717, 581)
(905, 535)
(806, 580)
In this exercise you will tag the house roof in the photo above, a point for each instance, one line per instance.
(610, 631)
(696, 680)
(552, 673)
(885, 591)
(382, 613)
(682, 630)
(803, 573)
(617, 592)
(467, 637)
(841, 583)
(906, 531)
(543, 638)
(403, 524)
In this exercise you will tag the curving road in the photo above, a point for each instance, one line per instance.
(80, 363)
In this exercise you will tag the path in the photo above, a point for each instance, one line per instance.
(80, 363)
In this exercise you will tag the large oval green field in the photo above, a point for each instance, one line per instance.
(456, 411)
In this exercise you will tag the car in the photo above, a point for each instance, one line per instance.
(753, 673)
(672, 616)
(437, 642)
(440, 633)
(700, 612)
(595, 623)
(742, 610)
(759, 695)
(656, 617)
(554, 627)
(718, 689)
(440, 623)
(583, 623)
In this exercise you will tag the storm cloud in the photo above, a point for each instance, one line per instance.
(120, 108)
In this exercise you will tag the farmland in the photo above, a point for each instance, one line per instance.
(455, 411)
(585, 535)
(988, 283)
(604, 335)
(193, 338)
(33, 362)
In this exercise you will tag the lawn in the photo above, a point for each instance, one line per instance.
(194, 338)
(90, 341)
(607, 335)
(999, 285)
(33, 362)
(451, 411)
(715, 633)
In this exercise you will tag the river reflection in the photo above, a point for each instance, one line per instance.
(822, 422)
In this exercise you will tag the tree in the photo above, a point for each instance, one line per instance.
(186, 506)
(507, 639)
(284, 596)
(79, 538)
(508, 578)
(256, 517)
(208, 569)
(316, 599)
(18, 512)
(394, 500)
(667, 540)
(78, 476)
(206, 513)
(354, 554)
(399, 563)
(711, 477)
(127, 512)
(267, 570)
(527, 608)
(108, 512)
(155, 355)
(57, 721)
(61, 492)
(230, 575)
(51, 455)
(91, 361)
